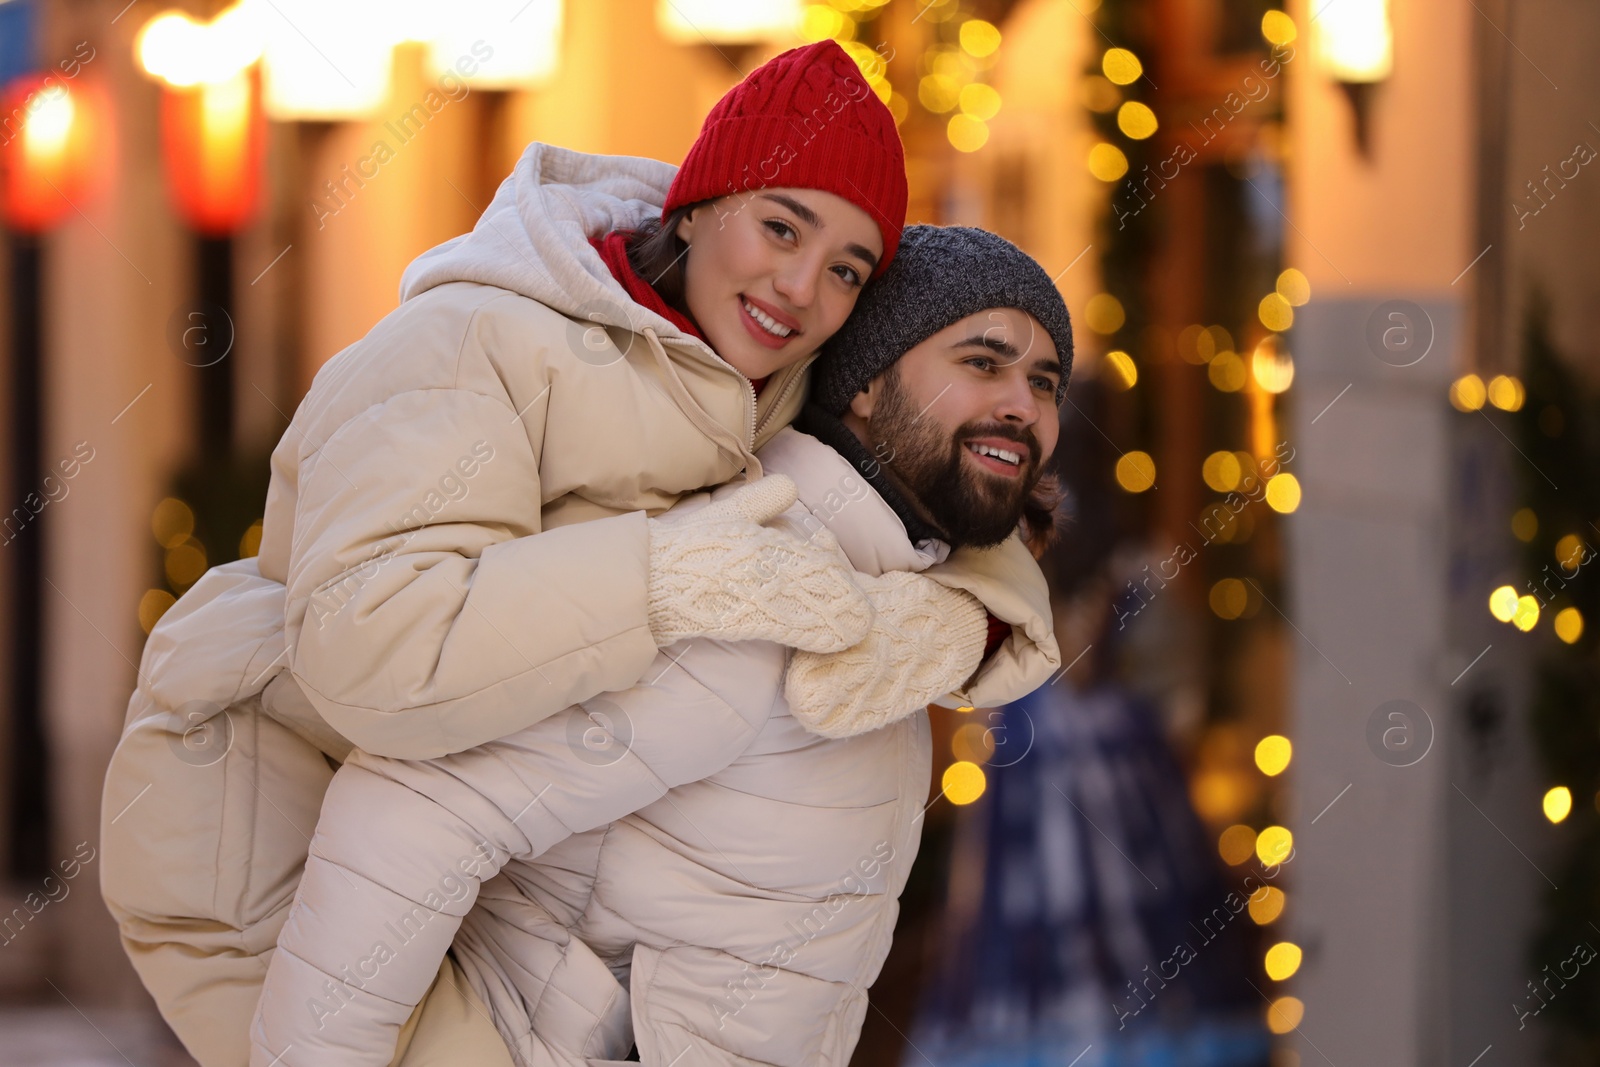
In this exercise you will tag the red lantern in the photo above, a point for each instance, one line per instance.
(46, 137)
(214, 137)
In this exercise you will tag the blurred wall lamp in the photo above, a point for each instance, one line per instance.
(213, 137)
(47, 132)
(735, 22)
(1356, 46)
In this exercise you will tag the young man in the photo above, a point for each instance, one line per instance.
(682, 864)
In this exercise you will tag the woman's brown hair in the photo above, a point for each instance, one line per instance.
(656, 253)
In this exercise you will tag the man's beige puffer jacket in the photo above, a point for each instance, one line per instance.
(517, 417)
(747, 879)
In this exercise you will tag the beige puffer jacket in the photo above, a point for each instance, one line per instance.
(516, 386)
(748, 883)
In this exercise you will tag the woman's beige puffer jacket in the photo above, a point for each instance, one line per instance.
(744, 871)
(516, 385)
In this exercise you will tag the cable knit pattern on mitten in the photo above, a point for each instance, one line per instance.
(926, 640)
(720, 573)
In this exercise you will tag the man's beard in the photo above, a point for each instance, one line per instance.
(970, 506)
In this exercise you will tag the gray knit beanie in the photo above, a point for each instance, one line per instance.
(940, 275)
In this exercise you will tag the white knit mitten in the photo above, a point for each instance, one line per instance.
(718, 572)
(926, 640)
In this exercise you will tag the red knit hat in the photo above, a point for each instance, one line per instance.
(806, 119)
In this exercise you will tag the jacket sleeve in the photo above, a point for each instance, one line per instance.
(428, 611)
(402, 846)
(1007, 579)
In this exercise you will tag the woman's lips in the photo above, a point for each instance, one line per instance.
(761, 334)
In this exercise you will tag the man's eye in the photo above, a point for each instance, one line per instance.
(1046, 384)
(981, 362)
(779, 227)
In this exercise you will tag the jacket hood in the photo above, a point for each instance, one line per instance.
(534, 237)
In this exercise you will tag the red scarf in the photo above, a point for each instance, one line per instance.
(613, 248)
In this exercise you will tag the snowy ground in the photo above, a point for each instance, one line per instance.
(62, 1036)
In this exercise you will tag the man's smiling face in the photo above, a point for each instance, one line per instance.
(965, 422)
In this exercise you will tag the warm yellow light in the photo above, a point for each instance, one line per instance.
(1237, 844)
(526, 36)
(1222, 472)
(152, 606)
(1271, 366)
(1278, 28)
(1136, 471)
(821, 22)
(345, 75)
(979, 38)
(1283, 493)
(1569, 625)
(1467, 393)
(1569, 552)
(250, 543)
(1136, 120)
(1120, 371)
(1273, 845)
(1558, 803)
(1121, 66)
(183, 52)
(1524, 524)
(172, 522)
(1107, 162)
(1506, 392)
(1283, 959)
(963, 782)
(1273, 753)
(1355, 40)
(980, 101)
(1526, 617)
(938, 93)
(899, 107)
(48, 128)
(973, 742)
(1229, 598)
(1227, 372)
(1098, 94)
(1104, 313)
(966, 133)
(695, 21)
(1275, 312)
(1503, 603)
(1266, 905)
(186, 563)
(1284, 1014)
(1294, 287)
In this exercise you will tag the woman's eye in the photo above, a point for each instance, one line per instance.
(779, 227)
(850, 275)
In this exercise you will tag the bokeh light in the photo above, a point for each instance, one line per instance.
(1273, 753)
(1121, 66)
(963, 782)
(1107, 162)
(1136, 471)
(1569, 625)
(1557, 803)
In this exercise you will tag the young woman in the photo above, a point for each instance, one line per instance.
(458, 542)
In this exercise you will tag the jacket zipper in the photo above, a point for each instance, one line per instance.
(781, 397)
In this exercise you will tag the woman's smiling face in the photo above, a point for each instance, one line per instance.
(772, 274)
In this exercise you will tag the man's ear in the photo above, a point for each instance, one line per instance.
(863, 402)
